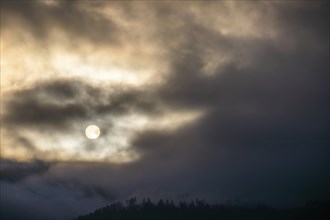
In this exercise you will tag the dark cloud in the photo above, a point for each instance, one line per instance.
(308, 21)
(57, 103)
(86, 190)
(61, 89)
(29, 187)
(32, 112)
(13, 171)
(259, 101)
(266, 122)
(281, 94)
(129, 101)
(39, 200)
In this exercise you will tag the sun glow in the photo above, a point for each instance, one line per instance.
(92, 131)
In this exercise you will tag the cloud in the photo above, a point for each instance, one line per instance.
(63, 17)
(308, 23)
(267, 120)
(261, 81)
(63, 108)
(13, 171)
(56, 103)
(29, 187)
(40, 201)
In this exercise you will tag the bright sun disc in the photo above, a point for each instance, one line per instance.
(92, 131)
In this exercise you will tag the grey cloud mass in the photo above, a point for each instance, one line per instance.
(13, 171)
(264, 93)
(58, 103)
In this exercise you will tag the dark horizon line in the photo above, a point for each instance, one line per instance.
(147, 209)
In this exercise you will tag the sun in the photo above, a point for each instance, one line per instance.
(92, 131)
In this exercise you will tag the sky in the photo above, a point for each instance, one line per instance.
(222, 100)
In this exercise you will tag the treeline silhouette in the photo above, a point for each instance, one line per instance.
(201, 210)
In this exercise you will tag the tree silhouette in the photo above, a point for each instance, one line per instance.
(200, 209)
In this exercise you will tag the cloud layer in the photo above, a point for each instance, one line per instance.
(220, 100)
